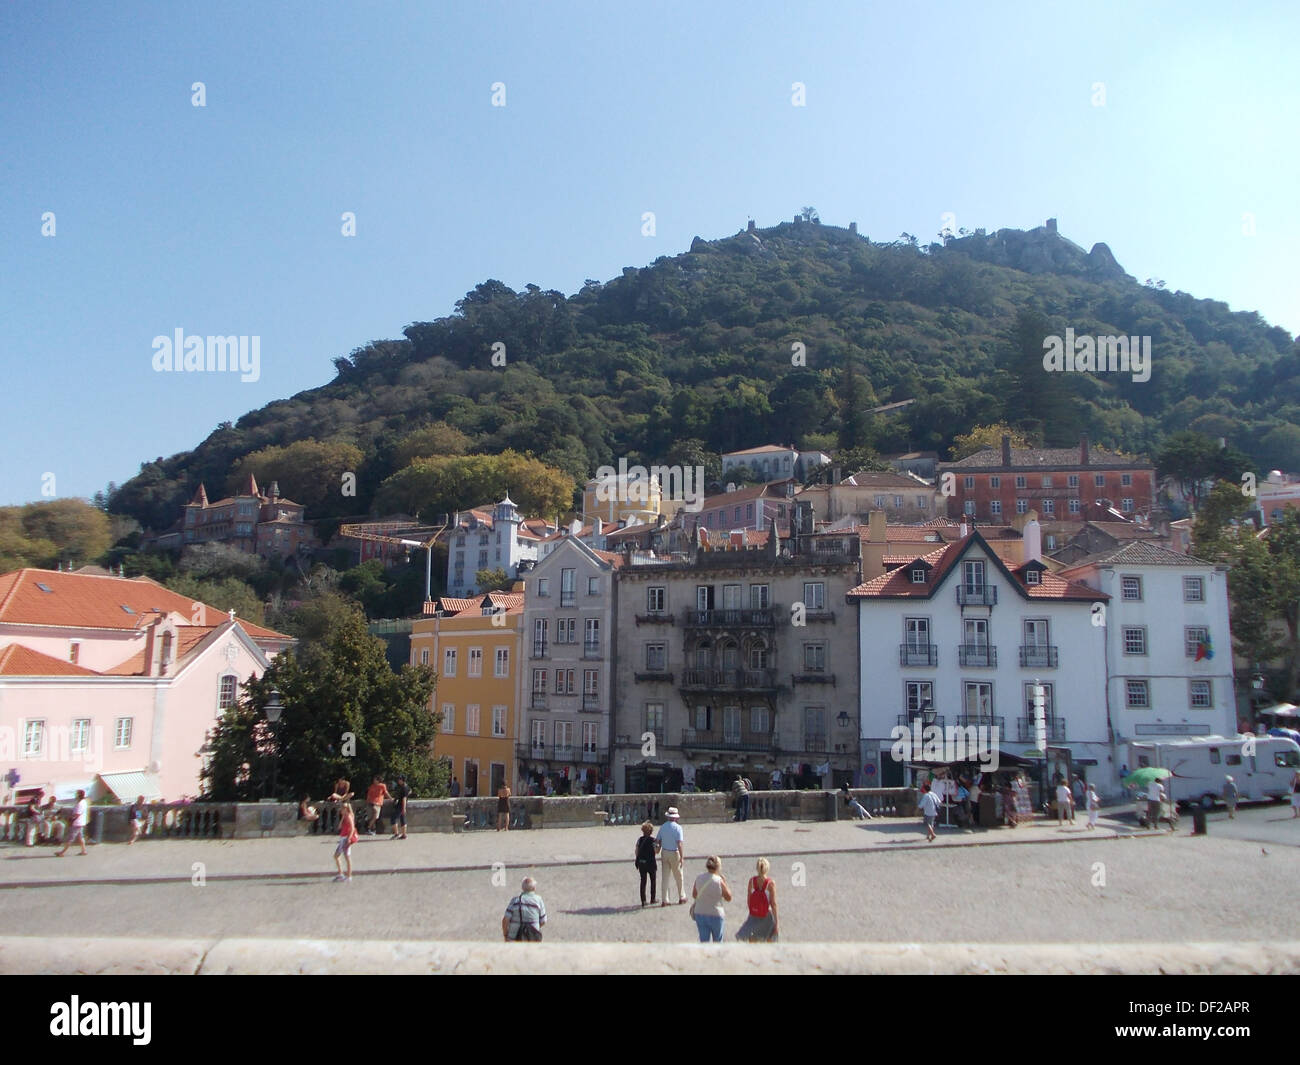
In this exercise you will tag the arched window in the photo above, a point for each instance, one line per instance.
(758, 656)
(703, 654)
(728, 655)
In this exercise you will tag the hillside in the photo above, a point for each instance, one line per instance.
(693, 352)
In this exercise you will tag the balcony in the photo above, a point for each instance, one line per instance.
(653, 678)
(1055, 730)
(729, 679)
(820, 614)
(977, 595)
(567, 599)
(918, 654)
(812, 678)
(816, 744)
(591, 702)
(982, 721)
(1038, 657)
(731, 619)
(538, 701)
(590, 756)
(591, 650)
(656, 618)
(718, 741)
(980, 655)
(926, 717)
(540, 649)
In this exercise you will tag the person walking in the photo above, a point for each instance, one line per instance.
(1154, 794)
(1094, 805)
(455, 788)
(929, 805)
(137, 820)
(503, 808)
(1064, 802)
(741, 788)
(710, 892)
(647, 863)
(671, 844)
(347, 836)
(1230, 795)
(400, 794)
(761, 926)
(80, 814)
(525, 915)
(1080, 796)
(376, 794)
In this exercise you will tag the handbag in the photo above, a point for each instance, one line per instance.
(691, 912)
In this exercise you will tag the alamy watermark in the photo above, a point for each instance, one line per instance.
(195, 354)
(635, 484)
(951, 743)
(59, 743)
(1109, 354)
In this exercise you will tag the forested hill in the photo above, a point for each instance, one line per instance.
(699, 352)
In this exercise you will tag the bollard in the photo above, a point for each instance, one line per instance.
(1198, 822)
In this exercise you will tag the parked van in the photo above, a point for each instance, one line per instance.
(1261, 766)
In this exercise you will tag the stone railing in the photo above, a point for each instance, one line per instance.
(200, 820)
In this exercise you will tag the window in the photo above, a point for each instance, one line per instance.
(918, 695)
(1021, 482)
(1199, 697)
(977, 699)
(654, 719)
(898, 501)
(539, 681)
(1193, 589)
(74, 651)
(591, 637)
(1022, 506)
(501, 665)
(1195, 639)
(448, 717)
(995, 481)
(975, 636)
(563, 736)
(475, 662)
(918, 575)
(749, 512)
(449, 662)
(814, 596)
(704, 597)
(995, 507)
(543, 587)
(656, 657)
(590, 736)
(921, 503)
(758, 597)
(1137, 695)
(593, 586)
(540, 628)
(758, 655)
(970, 482)
(538, 729)
(482, 559)
(226, 692)
(564, 682)
(814, 728)
(1075, 506)
(567, 586)
(1047, 480)
(973, 574)
(472, 719)
(1049, 506)
(1131, 589)
(122, 729)
(814, 657)
(33, 739)
(654, 600)
(917, 635)
(1036, 632)
(731, 597)
(1126, 505)
(1135, 640)
(591, 682)
(703, 718)
(1126, 479)
(1215, 758)
(731, 724)
(878, 502)
(1073, 480)
(566, 630)
(758, 720)
(498, 721)
(1099, 480)
(968, 507)
(80, 735)
(424, 656)
(1033, 576)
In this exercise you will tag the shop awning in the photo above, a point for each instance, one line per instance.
(126, 787)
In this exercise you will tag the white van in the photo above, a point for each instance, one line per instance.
(1261, 766)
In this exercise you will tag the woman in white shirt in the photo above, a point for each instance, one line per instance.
(710, 892)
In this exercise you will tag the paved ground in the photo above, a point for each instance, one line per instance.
(843, 881)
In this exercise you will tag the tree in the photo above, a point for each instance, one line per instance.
(1264, 587)
(491, 580)
(346, 714)
(222, 593)
(47, 533)
(1213, 533)
(443, 484)
(436, 439)
(1194, 461)
(854, 398)
(310, 472)
(980, 436)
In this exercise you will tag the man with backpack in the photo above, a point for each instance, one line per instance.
(525, 915)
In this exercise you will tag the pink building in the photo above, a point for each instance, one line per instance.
(112, 685)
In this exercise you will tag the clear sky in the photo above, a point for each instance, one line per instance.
(226, 219)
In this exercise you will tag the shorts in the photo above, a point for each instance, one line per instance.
(930, 819)
(399, 818)
(77, 833)
(344, 848)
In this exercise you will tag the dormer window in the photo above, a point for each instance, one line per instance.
(918, 575)
(1033, 576)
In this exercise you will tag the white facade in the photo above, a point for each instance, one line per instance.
(476, 543)
(1162, 604)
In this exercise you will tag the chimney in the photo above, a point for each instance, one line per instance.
(835, 474)
(1083, 449)
(873, 548)
(275, 491)
(1006, 450)
(1033, 547)
(963, 530)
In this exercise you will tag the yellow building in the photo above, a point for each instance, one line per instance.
(474, 644)
(618, 497)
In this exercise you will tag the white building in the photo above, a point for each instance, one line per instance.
(566, 685)
(496, 538)
(956, 638)
(773, 463)
(1168, 642)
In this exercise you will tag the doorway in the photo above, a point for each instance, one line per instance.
(471, 778)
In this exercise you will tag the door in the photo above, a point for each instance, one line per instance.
(498, 776)
(471, 777)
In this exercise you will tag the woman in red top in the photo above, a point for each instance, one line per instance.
(762, 924)
(347, 837)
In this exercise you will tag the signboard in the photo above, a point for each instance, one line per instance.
(1040, 716)
(1182, 729)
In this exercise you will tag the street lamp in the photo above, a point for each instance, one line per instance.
(274, 708)
(842, 719)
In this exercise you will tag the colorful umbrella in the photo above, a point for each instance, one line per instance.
(1141, 778)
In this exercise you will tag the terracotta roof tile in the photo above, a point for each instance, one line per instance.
(19, 661)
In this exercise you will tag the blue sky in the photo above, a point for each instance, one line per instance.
(226, 219)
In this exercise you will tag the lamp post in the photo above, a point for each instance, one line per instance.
(274, 708)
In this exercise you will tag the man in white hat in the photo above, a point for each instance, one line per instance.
(1230, 794)
(670, 842)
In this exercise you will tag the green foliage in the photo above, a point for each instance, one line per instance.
(338, 693)
(491, 580)
(1264, 587)
(981, 436)
(1194, 460)
(443, 484)
(308, 471)
(223, 593)
(45, 534)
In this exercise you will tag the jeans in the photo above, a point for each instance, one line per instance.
(742, 807)
(651, 874)
(710, 927)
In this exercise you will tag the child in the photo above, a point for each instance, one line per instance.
(347, 837)
(1094, 805)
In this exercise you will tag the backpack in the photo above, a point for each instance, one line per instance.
(759, 903)
(645, 852)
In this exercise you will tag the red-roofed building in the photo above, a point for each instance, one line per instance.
(253, 522)
(105, 679)
(491, 537)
